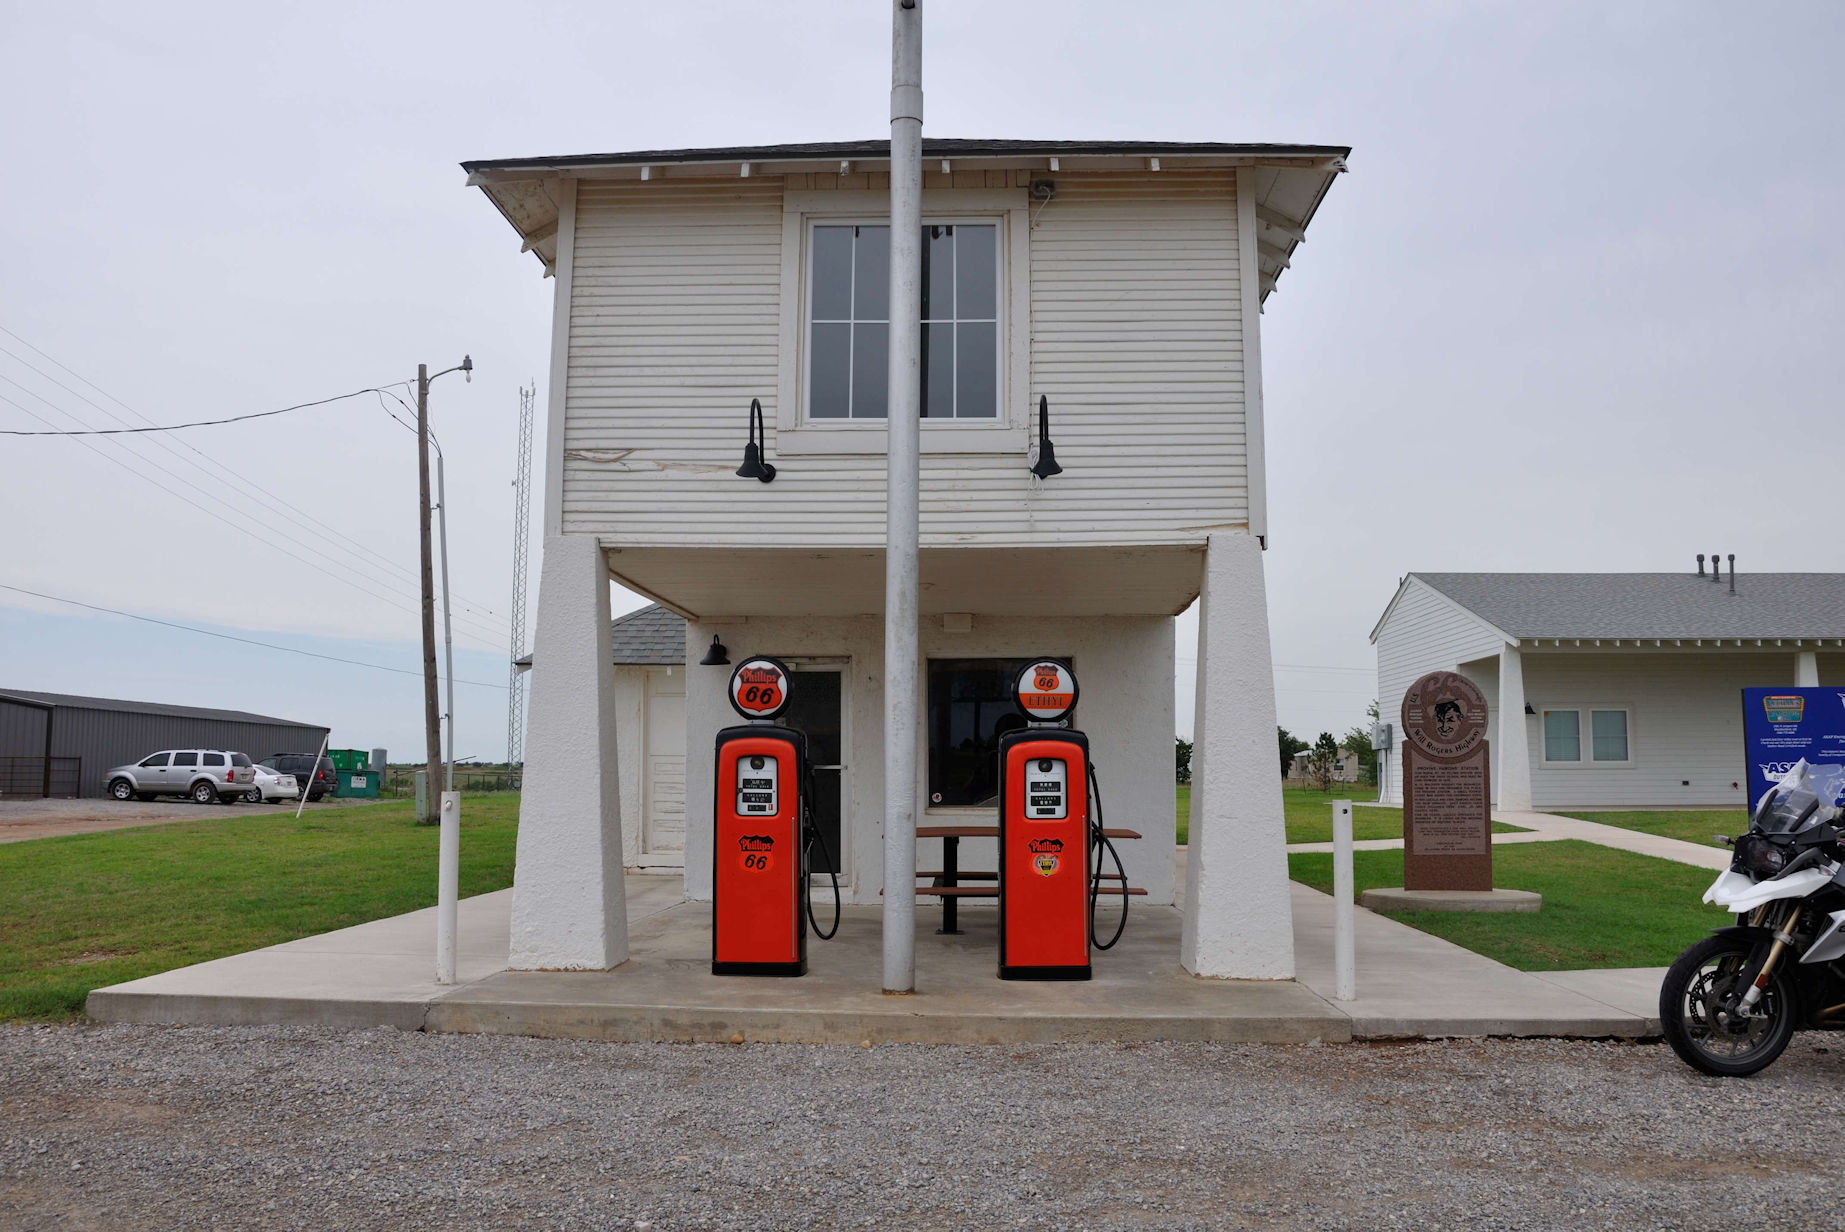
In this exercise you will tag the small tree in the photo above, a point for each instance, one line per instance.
(1182, 759)
(1290, 745)
(1321, 760)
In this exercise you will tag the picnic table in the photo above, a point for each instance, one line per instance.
(946, 882)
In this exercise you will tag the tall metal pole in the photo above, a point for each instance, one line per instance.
(903, 476)
(432, 715)
(448, 629)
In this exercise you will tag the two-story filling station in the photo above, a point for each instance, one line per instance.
(1091, 462)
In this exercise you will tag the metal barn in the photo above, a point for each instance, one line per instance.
(55, 744)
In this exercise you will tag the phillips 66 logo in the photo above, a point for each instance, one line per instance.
(759, 688)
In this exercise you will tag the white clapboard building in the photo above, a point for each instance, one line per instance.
(1612, 689)
(1119, 282)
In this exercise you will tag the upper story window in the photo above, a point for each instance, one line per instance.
(849, 324)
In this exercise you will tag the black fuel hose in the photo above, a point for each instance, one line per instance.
(814, 836)
(1099, 837)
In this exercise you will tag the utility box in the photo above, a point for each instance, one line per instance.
(422, 797)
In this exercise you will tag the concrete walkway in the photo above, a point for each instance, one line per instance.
(1410, 984)
(1550, 828)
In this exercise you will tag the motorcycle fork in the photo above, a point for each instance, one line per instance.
(1783, 937)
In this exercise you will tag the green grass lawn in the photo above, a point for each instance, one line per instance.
(89, 910)
(1691, 825)
(1309, 814)
(1602, 907)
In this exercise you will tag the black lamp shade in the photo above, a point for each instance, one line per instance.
(717, 656)
(753, 465)
(1046, 465)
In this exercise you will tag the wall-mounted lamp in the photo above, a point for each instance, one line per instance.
(1528, 709)
(717, 656)
(1046, 465)
(753, 466)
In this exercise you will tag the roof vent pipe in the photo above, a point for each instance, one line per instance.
(1700, 564)
(1716, 570)
(1732, 573)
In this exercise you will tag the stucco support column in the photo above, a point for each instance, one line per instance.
(1806, 669)
(1514, 750)
(1237, 920)
(568, 909)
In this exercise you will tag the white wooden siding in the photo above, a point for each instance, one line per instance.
(1134, 335)
(1426, 632)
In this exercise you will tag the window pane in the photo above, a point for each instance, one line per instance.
(185, 759)
(240, 760)
(214, 759)
(871, 275)
(1608, 735)
(870, 366)
(938, 368)
(158, 759)
(975, 271)
(970, 707)
(832, 273)
(976, 371)
(1562, 735)
(830, 379)
(938, 285)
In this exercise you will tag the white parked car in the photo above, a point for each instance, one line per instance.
(273, 785)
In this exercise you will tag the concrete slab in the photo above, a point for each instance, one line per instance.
(1413, 985)
(1396, 898)
(666, 991)
(1632, 990)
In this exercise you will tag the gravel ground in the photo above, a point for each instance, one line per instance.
(104, 1127)
(22, 819)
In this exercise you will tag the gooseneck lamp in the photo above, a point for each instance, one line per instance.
(753, 465)
(1046, 465)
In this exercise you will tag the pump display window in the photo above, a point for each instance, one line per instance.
(971, 705)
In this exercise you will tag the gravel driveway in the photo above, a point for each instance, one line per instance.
(21, 819)
(270, 1127)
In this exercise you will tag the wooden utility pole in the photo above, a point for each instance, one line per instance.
(432, 713)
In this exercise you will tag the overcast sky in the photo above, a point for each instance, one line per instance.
(1576, 306)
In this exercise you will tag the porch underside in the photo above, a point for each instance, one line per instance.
(703, 583)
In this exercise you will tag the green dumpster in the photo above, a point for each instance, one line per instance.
(361, 784)
(348, 759)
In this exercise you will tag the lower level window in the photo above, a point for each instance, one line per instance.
(1607, 736)
(971, 705)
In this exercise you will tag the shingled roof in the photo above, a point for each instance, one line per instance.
(649, 637)
(1650, 605)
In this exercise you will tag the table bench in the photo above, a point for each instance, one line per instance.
(945, 883)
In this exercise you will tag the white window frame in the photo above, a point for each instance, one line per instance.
(1585, 727)
(1006, 431)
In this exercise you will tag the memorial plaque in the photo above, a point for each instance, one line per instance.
(1447, 789)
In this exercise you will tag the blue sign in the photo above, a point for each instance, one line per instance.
(1782, 726)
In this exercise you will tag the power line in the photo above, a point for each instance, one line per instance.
(378, 667)
(201, 423)
(270, 501)
(93, 448)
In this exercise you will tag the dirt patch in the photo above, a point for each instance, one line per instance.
(29, 819)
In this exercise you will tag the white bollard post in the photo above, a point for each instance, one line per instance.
(448, 886)
(1345, 959)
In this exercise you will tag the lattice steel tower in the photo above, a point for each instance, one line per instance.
(522, 519)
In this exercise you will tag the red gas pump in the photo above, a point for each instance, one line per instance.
(759, 903)
(1048, 845)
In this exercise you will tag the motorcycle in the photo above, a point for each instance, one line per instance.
(1732, 1002)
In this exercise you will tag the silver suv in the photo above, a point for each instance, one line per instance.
(206, 775)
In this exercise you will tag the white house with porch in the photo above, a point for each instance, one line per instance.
(1120, 282)
(1616, 690)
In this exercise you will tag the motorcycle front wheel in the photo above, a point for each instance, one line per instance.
(1695, 1010)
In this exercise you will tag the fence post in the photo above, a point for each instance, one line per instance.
(1345, 973)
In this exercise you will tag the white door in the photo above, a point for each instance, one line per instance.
(663, 787)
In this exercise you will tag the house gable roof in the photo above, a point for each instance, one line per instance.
(649, 637)
(1649, 605)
